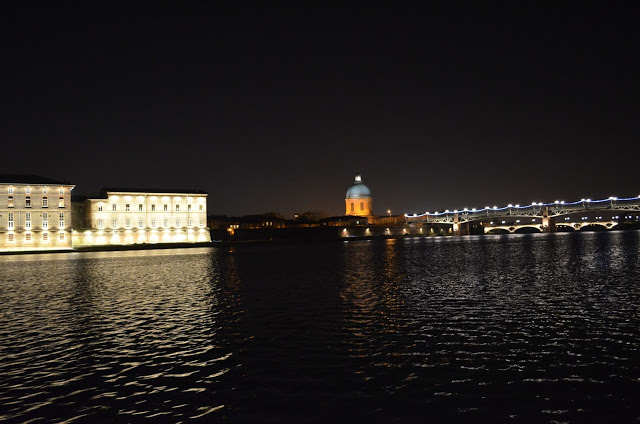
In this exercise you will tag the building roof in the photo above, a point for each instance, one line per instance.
(150, 190)
(29, 179)
(358, 190)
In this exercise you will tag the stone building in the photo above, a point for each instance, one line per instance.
(135, 216)
(35, 213)
(358, 200)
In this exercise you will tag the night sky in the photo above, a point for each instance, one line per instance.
(275, 107)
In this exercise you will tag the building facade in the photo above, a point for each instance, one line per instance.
(359, 201)
(140, 216)
(35, 213)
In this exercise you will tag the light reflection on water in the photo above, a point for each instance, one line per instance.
(519, 328)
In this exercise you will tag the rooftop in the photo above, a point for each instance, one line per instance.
(29, 179)
(105, 190)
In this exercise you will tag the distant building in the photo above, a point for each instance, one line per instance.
(344, 221)
(359, 201)
(231, 225)
(35, 213)
(135, 216)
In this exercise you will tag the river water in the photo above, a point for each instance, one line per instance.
(514, 328)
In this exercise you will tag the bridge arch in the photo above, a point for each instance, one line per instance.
(594, 226)
(525, 229)
(497, 230)
(561, 226)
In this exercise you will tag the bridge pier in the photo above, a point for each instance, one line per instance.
(460, 229)
(548, 223)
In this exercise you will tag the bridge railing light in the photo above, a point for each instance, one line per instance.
(495, 207)
(517, 206)
(510, 205)
(588, 200)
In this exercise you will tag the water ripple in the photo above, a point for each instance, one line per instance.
(522, 328)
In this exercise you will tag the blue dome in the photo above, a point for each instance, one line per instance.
(358, 190)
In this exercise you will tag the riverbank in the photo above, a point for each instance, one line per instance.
(111, 248)
(244, 242)
(215, 243)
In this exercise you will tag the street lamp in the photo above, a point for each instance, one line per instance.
(389, 212)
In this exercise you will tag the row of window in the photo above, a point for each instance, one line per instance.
(27, 202)
(28, 237)
(114, 223)
(28, 190)
(361, 206)
(127, 207)
(27, 220)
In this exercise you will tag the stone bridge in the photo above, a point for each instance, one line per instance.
(546, 212)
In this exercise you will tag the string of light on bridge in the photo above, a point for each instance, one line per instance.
(533, 204)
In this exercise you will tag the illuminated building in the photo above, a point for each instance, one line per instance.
(35, 213)
(137, 216)
(358, 200)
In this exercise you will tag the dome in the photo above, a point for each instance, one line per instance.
(358, 190)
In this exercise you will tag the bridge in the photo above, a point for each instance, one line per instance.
(546, 213)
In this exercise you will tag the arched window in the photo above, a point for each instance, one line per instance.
(352, 207)
(361, 206)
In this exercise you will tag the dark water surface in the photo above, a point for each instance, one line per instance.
(519, 328)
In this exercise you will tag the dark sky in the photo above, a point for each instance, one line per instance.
(275, 107)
